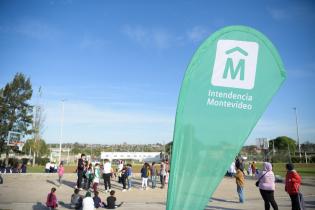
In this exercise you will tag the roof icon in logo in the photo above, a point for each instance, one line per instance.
(236, 49)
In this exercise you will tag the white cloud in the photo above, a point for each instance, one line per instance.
(198, 33)
(300, 10)
(37, 29)
(278, 14)
(149, 37)
(85, 122)
(93, 43)
(84, 113)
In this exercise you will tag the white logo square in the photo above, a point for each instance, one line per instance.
(235, 64)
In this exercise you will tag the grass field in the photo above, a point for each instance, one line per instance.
(302, 168)
(71, 169)
(278, 168)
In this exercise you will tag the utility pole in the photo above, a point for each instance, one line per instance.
(297, 132)
(61, 128)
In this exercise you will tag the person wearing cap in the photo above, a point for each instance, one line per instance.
(88, 203)
(292, 185)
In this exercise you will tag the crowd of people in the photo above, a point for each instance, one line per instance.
(89, 177)
(15, 168)
(266, 183)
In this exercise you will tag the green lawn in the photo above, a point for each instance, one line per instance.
(278, 168)
(302, 168)
(71, 169)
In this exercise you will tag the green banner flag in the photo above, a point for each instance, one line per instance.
(228, 84)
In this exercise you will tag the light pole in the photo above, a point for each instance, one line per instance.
(297, 131)
(61, 127)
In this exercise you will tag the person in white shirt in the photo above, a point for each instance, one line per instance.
(232, 170)
(88, 203)
(47, 167)
(107, 173)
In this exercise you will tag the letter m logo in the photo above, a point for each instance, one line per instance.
(229, 68)
(235, 64)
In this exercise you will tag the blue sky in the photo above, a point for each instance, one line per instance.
(119, 64)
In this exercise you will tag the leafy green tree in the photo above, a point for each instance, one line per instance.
(15, 112)
(41, 147)
(283, 143)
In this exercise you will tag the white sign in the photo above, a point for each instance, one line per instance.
(235, 64)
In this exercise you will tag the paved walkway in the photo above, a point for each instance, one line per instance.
(29, 191)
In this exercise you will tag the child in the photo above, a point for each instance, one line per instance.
(85, 178)
(60, 172)
(89, 174)
(76, 200)
(239, 176)
(129, 175)
(52, 199)
(111, 201)
(97, 175)
(145, 173)
(167, 176)
(249, 170)
(124, 176)
(97, 201)
(87, 203)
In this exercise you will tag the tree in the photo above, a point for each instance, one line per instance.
(42, 147)
(283, 143)
(15, 112)
(38, 126)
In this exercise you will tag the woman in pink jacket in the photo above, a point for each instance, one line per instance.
(267, 186)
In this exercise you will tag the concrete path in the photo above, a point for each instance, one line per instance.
(29, 191)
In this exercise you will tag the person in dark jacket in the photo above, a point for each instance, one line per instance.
(145, 173)
(97, 201)
(292, 186)
(23, 168)
(80, 171)
(111, 201)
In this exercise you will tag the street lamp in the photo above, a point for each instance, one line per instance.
(61, 127)
(297, 131)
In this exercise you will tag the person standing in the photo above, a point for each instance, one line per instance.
(61, 171)
(267, 186)
(119, 170)
(85, 178)
(47, 167)
(154, 173)
(162, 174)
(292, 186)
(97, 175)
(144, 176)
(254, 168)
(23, 168)
(240, 181)
(249, 169)
(124, 176)
(129, 176)
(107, 173)
(90, 175)
(80, 171)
